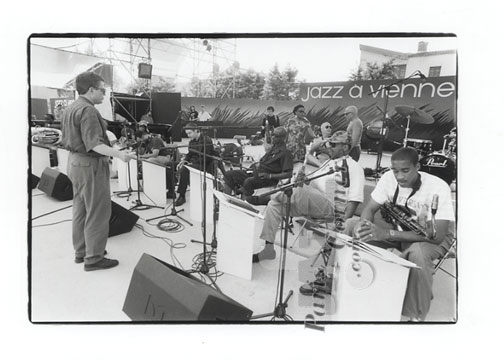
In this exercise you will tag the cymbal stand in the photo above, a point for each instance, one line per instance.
(405, 141)
(386, 88)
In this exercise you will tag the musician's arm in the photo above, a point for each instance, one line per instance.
(410, 236)
(280, 176)
(155, 153)
(312, 160)
(350, 209)
(370, 210)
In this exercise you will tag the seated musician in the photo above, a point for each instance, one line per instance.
(413, 191)
(318, 154)
(335, 195)
(275, 165)
(198, 145)
(152, 148)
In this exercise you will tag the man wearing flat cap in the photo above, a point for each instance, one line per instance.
(198, 145)
(275, 165)
(335, 196)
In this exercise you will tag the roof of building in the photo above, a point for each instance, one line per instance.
(401, 55)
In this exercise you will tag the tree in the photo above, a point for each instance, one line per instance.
(162, 84)
(250, 85)
(375, 71)
(281, 85)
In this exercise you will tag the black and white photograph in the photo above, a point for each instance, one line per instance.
(237, 180)
(183, 179)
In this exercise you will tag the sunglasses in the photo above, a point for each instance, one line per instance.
(347, 113)
(103, 90)
(327, 127)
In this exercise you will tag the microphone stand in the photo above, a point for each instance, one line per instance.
(216, 202)
(378, 168)
(279, 311)
(138, 203)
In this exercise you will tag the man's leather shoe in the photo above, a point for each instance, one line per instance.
(80, 259)
(180, 201)
(101, 265)
(171, 195)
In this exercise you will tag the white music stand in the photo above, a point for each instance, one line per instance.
(40, 159)
(238, 232)
(196, 198)
(122, 175)
(374, 293)
(62, 155)
(154, 182)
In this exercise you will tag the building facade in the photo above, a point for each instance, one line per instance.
(430, 63)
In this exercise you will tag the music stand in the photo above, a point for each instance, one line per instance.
(174, 212)
(138, 202)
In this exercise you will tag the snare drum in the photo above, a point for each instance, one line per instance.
(423, 147)
(439, 165)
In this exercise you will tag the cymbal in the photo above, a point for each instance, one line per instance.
(416, 115)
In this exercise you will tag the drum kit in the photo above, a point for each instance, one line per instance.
(438, 163)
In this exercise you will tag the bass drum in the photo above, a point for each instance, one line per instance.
(439, 165)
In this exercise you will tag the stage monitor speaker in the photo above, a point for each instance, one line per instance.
(56, 184)
(144, 71)
(34, 181)
(121, 220)
(161, 292)
(166, 109)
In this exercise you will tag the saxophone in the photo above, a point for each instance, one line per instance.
(400, 217)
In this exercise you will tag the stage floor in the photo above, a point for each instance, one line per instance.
(61, 291)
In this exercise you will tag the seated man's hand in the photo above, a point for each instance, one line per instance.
(301, 177)
(263, 175)
(366, 231)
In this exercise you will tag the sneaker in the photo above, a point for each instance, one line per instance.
(315, 287)
(321, 284)
(180, 201)
(268, 253)
(80, 259)
(101, 265)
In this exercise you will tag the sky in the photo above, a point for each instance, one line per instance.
(317, 59)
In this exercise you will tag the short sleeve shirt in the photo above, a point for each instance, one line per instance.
(296, 132)
(327, 184)
(83, 128)
(420, 203)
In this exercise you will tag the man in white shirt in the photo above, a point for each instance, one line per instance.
(335, 195)
(406, 187)
(204, 115)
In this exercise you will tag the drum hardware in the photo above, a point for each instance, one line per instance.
(416, 115)
(423, 147)
(440, 165)
(387, 88)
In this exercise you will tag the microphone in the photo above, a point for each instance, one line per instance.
(422, 76)
(434, 207)
(435, 202)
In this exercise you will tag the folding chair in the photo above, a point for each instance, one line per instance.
(450, 254)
